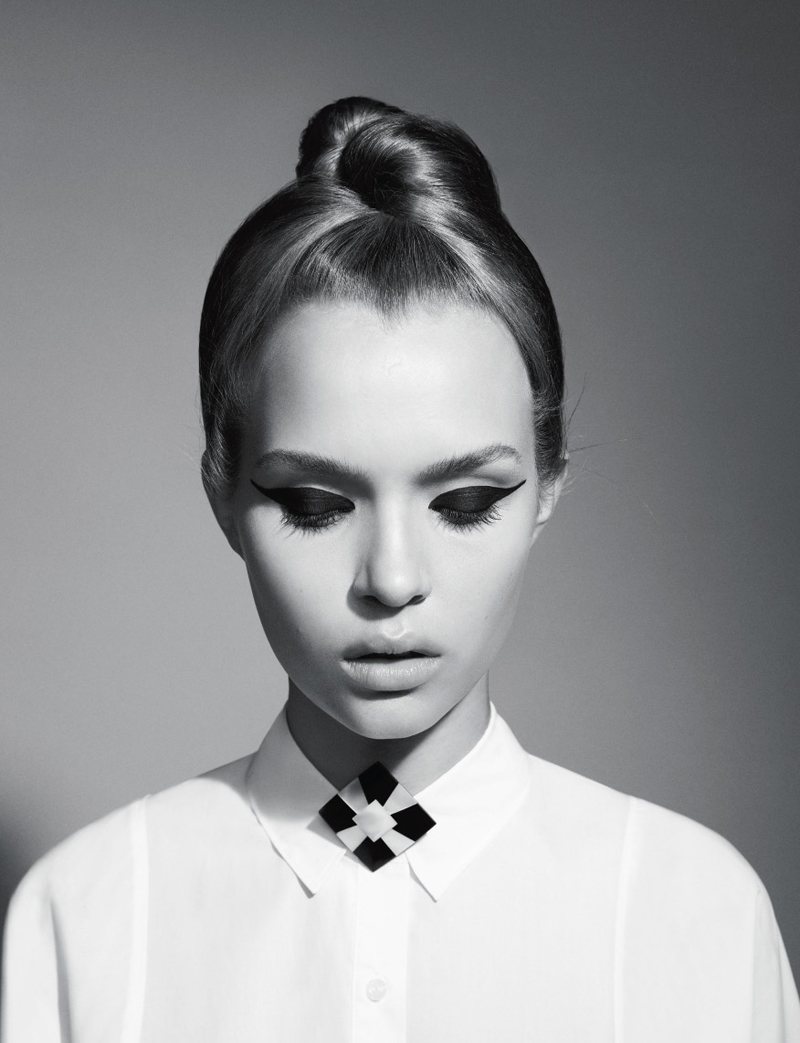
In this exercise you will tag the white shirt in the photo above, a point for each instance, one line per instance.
(541, 906)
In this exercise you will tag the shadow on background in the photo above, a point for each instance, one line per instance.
(15, 859)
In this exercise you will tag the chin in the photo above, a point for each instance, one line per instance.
(391, 715)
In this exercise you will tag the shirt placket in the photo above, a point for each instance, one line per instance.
(379, 974)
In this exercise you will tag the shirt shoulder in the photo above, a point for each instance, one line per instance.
(673, 853)
(698, 952)
(662, 849)
(74, 919)
(95, 863)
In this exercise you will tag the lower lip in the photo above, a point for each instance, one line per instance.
(391, 677)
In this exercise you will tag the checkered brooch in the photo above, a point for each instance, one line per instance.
(375, 817)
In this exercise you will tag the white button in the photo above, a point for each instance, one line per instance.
(376, 989)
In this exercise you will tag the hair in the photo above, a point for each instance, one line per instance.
(387, 208)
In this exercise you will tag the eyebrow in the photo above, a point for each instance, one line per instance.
(440, 471)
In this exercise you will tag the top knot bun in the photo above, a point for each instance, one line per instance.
(396, 162)
(330, 129)
(388, 209)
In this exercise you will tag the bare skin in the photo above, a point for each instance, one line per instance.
(417, 760)
(410, 549)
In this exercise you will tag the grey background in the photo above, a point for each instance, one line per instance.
(648, 154)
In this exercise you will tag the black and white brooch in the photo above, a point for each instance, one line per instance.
(375, 817)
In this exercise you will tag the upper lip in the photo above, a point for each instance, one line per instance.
(383, 644)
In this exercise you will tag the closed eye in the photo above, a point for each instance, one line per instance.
(473, 506)
(306, 508)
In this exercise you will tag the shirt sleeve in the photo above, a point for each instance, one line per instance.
(776, 1007)
(75, 935)
(30, 1001)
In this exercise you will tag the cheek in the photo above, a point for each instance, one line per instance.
(477, 579)
(296, 586)
(486, 585)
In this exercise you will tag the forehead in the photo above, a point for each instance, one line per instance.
(343, 379)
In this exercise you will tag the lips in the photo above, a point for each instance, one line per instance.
(379, 672)
(380, 657)
(384, 648)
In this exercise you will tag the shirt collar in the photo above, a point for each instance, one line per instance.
(470, 803)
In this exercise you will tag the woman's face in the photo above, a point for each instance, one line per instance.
(387, 502)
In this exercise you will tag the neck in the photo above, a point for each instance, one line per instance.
(416, 760)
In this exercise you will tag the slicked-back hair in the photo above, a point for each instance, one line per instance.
(387, 209)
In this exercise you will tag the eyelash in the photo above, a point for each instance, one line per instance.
(461, 521)
(465, 521)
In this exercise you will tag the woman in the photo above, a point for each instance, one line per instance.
(382, 387)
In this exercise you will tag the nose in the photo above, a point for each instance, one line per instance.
(392, 570)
